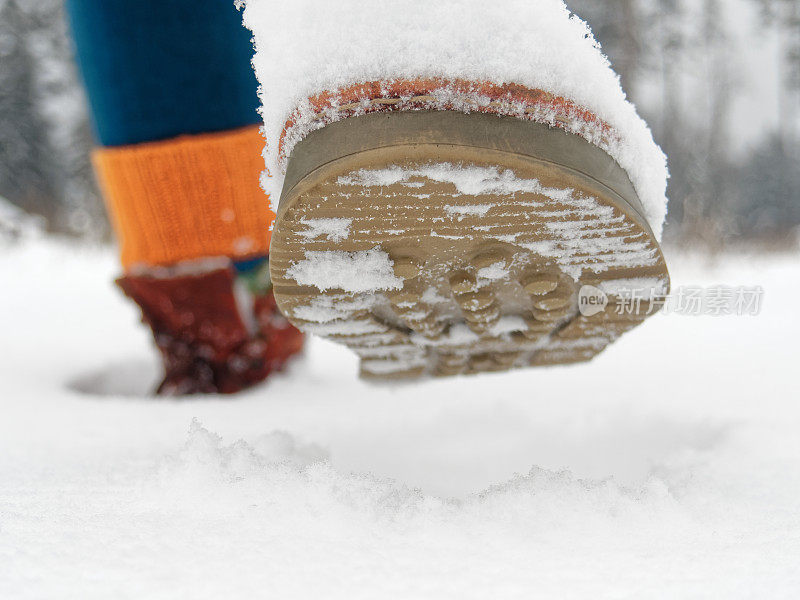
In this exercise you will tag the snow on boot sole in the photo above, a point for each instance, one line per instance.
(439, 243)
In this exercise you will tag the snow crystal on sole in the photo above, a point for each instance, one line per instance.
(585, 227)
(364, 271)
(478, 210)
(335, 230)
(469, 180)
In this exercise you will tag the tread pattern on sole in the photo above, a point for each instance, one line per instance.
(454, 261)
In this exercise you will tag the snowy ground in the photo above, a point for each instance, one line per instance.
(668, 468)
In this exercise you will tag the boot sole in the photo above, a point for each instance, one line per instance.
(437, 243)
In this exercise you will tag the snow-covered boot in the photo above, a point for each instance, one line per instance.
(462, 187)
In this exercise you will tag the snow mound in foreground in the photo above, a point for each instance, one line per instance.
(290, 487)
(669, 472)
(306, 47)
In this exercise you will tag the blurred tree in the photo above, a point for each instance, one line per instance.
(26, 167)
(708, 203)
(784, 16)
(44, 161)
(770, 188)
(675, 60)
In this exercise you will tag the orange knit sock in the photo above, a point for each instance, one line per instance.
(190, 197)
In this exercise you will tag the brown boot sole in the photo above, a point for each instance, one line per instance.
(440, 243)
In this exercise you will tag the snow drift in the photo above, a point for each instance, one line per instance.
(672, 473)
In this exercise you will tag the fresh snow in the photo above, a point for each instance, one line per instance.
(17, 224)
(324, 309)
(362, 271)
(306, 47)
(468, 181)
(646, 288)
(478, 210)
(667, 468)
(574, 231)
(334, 229)
(349, 327)
(493, 272)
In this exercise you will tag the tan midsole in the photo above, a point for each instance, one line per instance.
(477, 131)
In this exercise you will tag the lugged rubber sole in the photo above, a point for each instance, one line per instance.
(439, 243)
